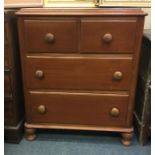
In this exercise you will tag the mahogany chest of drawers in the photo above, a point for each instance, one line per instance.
(80, 68)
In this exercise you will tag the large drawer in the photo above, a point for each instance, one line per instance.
(78, 108)
(57, 35)
(80, 72)
(108, 35)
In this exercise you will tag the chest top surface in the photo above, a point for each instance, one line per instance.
(81, 12)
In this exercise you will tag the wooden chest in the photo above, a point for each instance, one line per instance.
(80, 68)
(13, 95)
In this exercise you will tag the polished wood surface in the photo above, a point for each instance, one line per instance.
(92, 76)
(22, 3)
(79, 72)
(7, 84)
(13, 97)
(94, 32)
(126, 138)
(81, 12)
(89, 38)
(64, 37)
(77, 127)
(78, 108)
(30, 134)
(6, 62)
(31, 129)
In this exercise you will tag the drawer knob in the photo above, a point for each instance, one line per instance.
(117, 75)
(41, 109)
(39, 74)
(49, 38)
(107, 38)
(114, 112)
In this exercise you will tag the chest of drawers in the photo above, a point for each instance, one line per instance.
(80, 68)
(13, 96)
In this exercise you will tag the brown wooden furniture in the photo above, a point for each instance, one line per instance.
(80, 68)
(143, 93)
(13, 96)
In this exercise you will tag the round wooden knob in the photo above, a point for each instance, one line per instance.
(49, 38)
(114, 112)
(41, 109)
(107, 38)
(39, 74)
(117, 75)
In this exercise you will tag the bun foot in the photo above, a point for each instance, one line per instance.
(126, 138)
(30, 134)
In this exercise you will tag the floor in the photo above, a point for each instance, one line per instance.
(76, 143)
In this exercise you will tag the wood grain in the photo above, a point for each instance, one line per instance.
(78, 108)
(78, 72)
(93, 30)
(80, 77)
(65, 37)
(77, 127)
(81, 12)
(13, 97)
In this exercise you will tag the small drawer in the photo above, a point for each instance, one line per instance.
(78, 108)
(79, 73)
(50, 35)
(115, 35)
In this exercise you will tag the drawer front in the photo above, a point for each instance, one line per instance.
(78, 108)
(81, 72)
(50, 35)
(108, 35)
